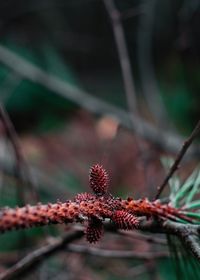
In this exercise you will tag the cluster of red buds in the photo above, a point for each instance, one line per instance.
(90, 208)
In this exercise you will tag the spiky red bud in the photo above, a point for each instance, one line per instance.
(98, 179)
(125, 220)
(94, 230)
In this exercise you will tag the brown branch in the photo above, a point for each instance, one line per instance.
(123, 212)
(178, 159)
(39, 255)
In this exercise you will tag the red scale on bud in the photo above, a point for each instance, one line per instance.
(98, 179)
(83, 197)
(125, 220)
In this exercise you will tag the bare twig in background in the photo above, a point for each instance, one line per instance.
(127, 75)
(143, 237)
(56, 245)
(178, 159)
(187, 233)
(123, 54)
(146, 69)
(115, 253)
(42, 178)
(165, 140)
(22, 168)
(38, 255)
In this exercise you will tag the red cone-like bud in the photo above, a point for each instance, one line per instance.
(98, 179)
(94, 230)
(125, 220)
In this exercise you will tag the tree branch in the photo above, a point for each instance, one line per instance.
(123, 54)
(188, 234)
(39, 255)
(178, 159)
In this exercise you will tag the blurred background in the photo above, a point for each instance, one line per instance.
(113, 82)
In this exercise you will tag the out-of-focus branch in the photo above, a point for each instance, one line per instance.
(115, 253)
(145, 62)
(187, 233)
(123, 54)
(143, 237)
(164, 140)
(22, 167)
(39, 255)
(178, 159)
(42, 179)
(127, 74)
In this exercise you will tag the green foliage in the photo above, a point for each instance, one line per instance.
(185, 265)
(182, 194)
(166, 270)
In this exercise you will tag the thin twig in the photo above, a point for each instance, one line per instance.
(145, 64)
(42, 179)
(12, 136)
(123, 54)
(125, 64)
(165, 140)
(178, 159)
(39, 255)
(22, 167)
